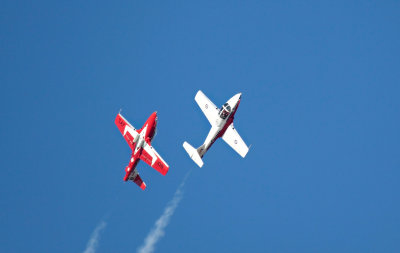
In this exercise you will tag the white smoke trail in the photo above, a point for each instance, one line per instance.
(94, 238)
(158, 230)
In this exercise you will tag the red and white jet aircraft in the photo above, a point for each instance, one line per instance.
(221, 121)
(140, 143)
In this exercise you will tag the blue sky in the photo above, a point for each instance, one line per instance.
(320, 106)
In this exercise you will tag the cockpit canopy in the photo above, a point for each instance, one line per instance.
(224, 111)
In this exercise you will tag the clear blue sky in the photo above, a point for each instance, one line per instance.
(320, 106)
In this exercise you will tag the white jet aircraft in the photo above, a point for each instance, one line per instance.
(221, 121)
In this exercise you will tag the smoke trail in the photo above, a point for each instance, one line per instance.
(94, 238)
(158, 230)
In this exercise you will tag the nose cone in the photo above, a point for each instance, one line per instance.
(154, 115)
(234, 100)
(152, 120)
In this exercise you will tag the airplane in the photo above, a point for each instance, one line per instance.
(221, 120)
(140, 143)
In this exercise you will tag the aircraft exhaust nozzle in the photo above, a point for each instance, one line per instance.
(193, 153)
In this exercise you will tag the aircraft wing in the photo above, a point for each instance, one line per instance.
(151, 157)
(208, 107)
(127, 130)
(234, 140)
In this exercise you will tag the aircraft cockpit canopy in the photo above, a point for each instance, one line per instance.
(225, 111)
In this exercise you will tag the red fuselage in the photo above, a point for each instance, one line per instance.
(150, 129)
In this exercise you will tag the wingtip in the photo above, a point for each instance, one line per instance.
(247, 151)
(164, 172)
(198, 93)
(143, 186)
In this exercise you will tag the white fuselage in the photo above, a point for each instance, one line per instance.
(141, 141)
(220, 123)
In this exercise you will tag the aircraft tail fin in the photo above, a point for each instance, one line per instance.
(194, 153)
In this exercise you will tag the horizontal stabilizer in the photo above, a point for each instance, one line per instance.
(193, 154)
(134, 176)
(139, 182)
